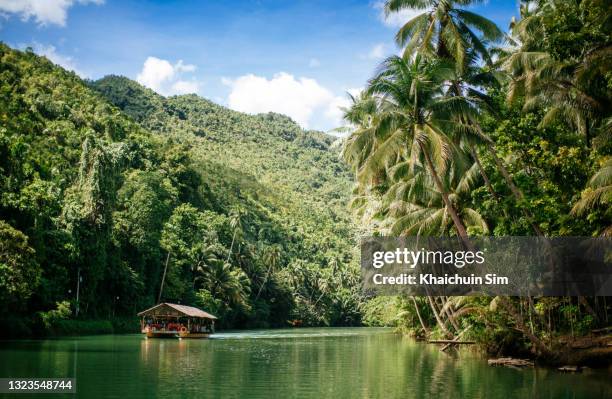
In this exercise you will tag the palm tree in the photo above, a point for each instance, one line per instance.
(235, 222)
(597, 194)
(416, 208)
(569, 89)
(227, 283)
(415, 122)
(271, 256)
(206, 256)
(444, 30)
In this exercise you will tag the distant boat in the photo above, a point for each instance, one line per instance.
(169, 320)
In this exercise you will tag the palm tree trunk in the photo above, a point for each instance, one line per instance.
(161, 287)
(229, 254)
(449, 206)
(437, 316)
(587, 306)
(449, 314)
(520, 325)
(264, 283)
(416, 308)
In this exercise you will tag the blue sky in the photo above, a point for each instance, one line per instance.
(293, 57)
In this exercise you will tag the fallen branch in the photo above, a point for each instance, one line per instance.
(450, 341)
(455, 340)
(510, 362)
(569, 369)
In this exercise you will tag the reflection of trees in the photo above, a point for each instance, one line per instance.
(310, 363)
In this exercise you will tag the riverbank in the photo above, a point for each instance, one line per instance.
(589, 351)
(24, 328)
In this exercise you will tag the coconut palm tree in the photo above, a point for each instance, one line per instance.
(270, 257)
(445, 32)
(444, 29)
(235, 222)
(227, 283)
(597, 194)
(416, 122)
(416, 207)
(206, 256)
(570, 89)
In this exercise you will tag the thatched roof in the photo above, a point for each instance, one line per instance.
(172, 309)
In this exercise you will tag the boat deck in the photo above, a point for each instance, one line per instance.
(174, 334)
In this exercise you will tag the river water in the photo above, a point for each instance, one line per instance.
(290, 363)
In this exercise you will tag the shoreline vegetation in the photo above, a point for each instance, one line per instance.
(472, 131)
(106, 187)
(574, 353)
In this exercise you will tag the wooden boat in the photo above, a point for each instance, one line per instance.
(169, 320)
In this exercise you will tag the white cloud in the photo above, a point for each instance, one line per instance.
(396, 19)
(377, 52)
(185, 87)
(182, 67)
(306, 101)
(51, 53)
(163, 77)
(44, 12)
(532, 6)
(314, 63)
(334, 110)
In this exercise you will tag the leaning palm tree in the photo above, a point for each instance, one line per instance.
(444, 29)
(416, 207)
(363, 116)
(416, 122)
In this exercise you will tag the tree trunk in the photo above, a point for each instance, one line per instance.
(449, 206)
(587, 306)
(449, 314)
(520, 324)
(437, 316)
(161, 287)
(229, 254)
(264, 283)
(416, 308)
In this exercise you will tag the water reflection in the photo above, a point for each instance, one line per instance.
(339, 363)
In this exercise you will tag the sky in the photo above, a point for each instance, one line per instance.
(295, 57)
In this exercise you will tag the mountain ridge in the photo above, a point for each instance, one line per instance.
(108, 181)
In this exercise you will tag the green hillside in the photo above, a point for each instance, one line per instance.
(112, 182)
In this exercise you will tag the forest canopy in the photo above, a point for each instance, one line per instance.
(473, 131)
(109, 183)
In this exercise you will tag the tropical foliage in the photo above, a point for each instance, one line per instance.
(472, 133)
(127, 198)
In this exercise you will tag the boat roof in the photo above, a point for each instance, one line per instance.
(186, 310)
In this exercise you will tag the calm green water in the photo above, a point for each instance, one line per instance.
(292, 363)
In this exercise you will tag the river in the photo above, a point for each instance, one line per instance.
(289, 363)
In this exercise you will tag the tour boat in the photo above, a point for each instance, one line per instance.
(169, 320)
